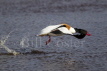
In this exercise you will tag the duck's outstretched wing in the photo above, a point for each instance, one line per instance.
(48, 29)
(55, 29)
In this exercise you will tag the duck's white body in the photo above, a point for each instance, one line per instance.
(57, 30)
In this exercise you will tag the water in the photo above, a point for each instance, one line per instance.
(2, 44)
(64, 53)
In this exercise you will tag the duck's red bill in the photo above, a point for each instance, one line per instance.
(88, 34)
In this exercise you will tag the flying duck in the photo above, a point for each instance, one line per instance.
(62, 29)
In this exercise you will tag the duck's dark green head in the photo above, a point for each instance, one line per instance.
(82, 33)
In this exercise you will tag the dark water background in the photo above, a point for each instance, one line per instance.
(25, 18)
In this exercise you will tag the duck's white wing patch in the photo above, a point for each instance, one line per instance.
(48, 29)
(65, 30)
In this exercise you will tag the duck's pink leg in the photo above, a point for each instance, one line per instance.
(48, 40)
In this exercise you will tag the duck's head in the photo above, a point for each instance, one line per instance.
(82, 33)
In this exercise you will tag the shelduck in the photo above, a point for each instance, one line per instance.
(62, 29)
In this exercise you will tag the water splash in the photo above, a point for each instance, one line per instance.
(25, 41)
(3, 41)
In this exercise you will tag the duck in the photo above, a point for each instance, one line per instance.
(63, 29)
